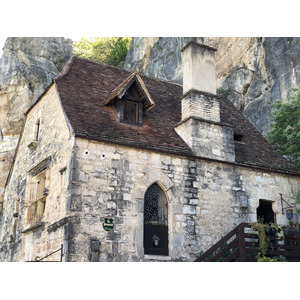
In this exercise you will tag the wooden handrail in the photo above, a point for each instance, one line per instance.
(221, 242)
(244, 246)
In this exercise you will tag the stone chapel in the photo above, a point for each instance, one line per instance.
(117, 166)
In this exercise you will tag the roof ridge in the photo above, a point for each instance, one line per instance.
(159, 79)
(65, 69)
(116, 67)
(99, 63)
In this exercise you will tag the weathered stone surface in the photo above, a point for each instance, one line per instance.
(205, 198)
(27, 67)
(57, 183)
(198, 134)
(158, 57)
(252, 72)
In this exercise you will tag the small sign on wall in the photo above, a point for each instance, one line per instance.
(289, 214)
(108, 224)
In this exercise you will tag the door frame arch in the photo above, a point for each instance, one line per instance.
(157, 221)
(138, 193)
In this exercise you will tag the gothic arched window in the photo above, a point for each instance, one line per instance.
(155, 220)
(156, 207)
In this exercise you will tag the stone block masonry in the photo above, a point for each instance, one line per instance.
(54, 146)
(202, 105)
(205, 200)
(198, 134)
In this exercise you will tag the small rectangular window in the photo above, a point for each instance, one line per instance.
(37, 130)
(238, 137)
(130, 112)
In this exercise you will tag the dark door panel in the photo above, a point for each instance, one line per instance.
(156, 221)
(162, 232)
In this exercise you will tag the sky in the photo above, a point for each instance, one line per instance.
(162, 18)
(129, 18)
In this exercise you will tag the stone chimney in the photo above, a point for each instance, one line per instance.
(199, 68)
(201, 127)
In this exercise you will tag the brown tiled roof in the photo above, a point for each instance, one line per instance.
(84, 89)
(253, 149)
(84, 86)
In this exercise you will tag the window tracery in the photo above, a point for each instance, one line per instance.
(156, 207)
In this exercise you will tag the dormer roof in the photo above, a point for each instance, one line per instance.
(123, 87)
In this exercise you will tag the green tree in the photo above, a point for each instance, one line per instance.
(285, 128)
(107, 50)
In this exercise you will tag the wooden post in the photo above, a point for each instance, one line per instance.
(242, 246)
(61, 252)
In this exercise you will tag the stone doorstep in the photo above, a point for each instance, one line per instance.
(157, 257)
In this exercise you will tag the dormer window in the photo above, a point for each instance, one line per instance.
(130, 100)
(131, 112)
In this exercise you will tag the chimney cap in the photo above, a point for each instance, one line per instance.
(198, 45)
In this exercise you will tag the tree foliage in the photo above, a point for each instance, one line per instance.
(285, 129)
(108, 50)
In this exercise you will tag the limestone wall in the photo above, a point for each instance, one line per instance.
(267, 186)
(198, 134)
(205, 200)
(55, 142)
(88, 181)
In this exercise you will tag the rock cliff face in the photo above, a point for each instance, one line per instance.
(27, 67)
(252, 72)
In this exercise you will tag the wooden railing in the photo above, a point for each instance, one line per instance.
(242, 245)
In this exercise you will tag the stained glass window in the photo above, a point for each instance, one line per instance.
(156, 206)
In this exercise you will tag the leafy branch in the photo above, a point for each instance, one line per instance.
(108, 50)
(285, 128)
